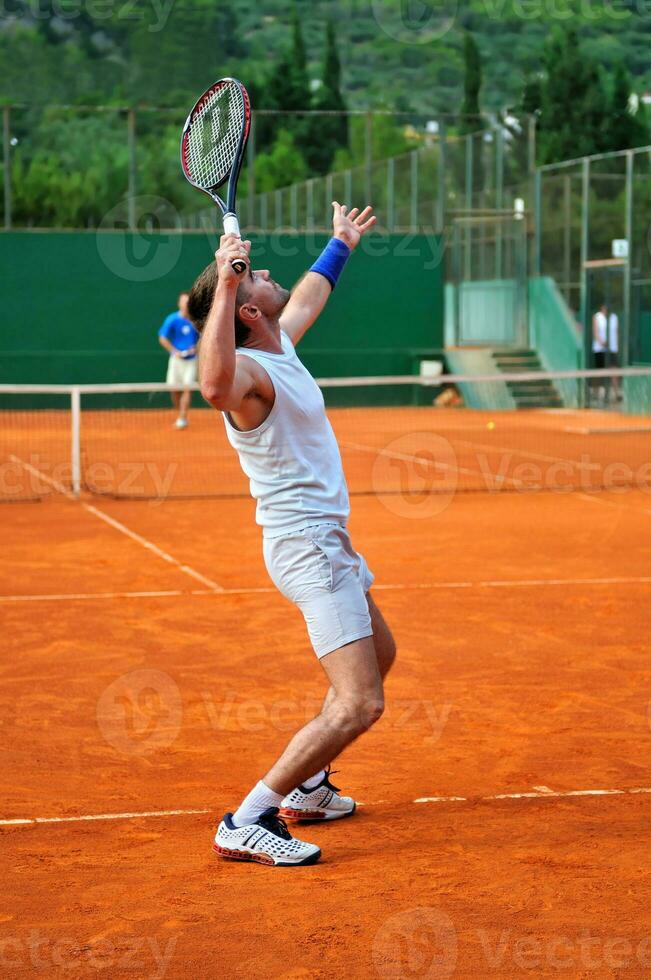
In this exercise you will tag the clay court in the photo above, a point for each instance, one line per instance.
(152, 673)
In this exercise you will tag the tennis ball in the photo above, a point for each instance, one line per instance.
(490, 425)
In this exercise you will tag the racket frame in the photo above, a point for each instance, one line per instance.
(227, 208)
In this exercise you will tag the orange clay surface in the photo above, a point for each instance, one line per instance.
(524, 662)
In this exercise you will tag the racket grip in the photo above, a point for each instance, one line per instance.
(239, 266)
(231, 224)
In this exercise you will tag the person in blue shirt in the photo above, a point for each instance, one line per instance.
(179, 338)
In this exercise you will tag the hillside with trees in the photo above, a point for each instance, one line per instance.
(573, 68)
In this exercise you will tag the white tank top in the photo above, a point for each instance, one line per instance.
(292, 459)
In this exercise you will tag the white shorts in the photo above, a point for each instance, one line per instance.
(319, 570)
(181, 371)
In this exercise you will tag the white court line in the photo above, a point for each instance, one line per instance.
(118, 526)
(542, 793)
(31, 821)
(389, 587)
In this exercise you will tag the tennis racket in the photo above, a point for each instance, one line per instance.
(213, 143)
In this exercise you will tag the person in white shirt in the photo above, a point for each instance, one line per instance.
(600, 347)
(613, 352)
(275, 419)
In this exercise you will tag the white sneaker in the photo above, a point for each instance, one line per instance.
(266, 841)
(181, 424)
(321, 803)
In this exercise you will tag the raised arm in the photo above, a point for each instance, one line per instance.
(311, 293)
(227, 380)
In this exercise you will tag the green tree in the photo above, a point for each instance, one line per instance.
(575, 107)
(626, 129)
(283, 164)
(328, 133)
(471, 119)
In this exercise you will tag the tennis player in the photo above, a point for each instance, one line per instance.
(275, 418)
(179, 338)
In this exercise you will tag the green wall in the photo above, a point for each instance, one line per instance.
(84, 307)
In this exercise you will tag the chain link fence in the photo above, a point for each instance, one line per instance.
(593, 236)
(114, 167)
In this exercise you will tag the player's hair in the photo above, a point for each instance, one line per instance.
(200, 300)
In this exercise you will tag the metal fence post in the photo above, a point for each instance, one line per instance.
(131, 192)
(585, 244)
(293, 206)
(309, 204)
(469, 169)
(537, 222)
(368, 157)
(625, 342)
(250, 169)
(441, 209)
(279, 209)
(498, 136)
(567, 228)
(6, 159)
(414, 192)
(328, 198)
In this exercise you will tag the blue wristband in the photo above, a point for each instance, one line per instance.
(332, 260)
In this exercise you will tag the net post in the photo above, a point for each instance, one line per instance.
(75, 439)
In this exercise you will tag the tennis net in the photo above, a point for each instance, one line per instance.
(409, 436)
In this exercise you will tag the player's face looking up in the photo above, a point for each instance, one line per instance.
(264, 296)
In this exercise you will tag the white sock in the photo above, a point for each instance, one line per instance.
(314, 781)
(259, 799)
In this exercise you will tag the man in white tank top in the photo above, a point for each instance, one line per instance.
(275, 419)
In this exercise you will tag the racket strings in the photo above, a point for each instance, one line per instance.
(214, 136)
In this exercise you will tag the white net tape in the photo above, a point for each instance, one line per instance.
(214, 136)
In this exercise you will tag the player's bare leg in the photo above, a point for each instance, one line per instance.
(354, 702)
(184, 403)
(383, 641)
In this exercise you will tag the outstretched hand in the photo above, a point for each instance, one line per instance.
(349, 227)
